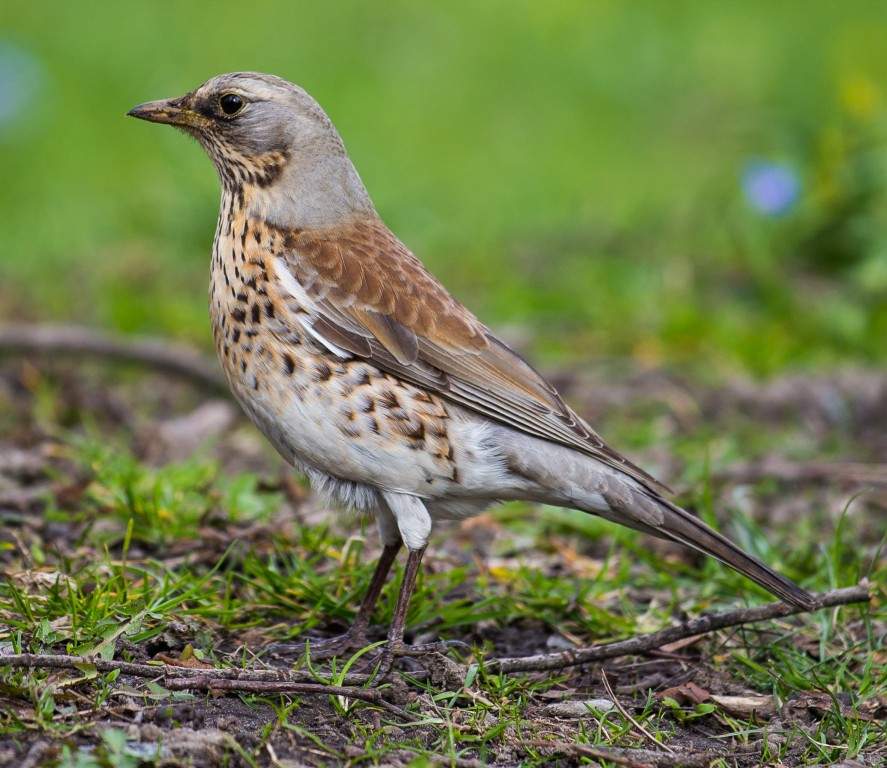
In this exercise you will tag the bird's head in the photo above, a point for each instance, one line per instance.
(260, 130)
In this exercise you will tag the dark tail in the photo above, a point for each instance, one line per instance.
(559, 475)
(680, 526)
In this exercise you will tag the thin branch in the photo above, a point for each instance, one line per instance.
(625, 713)
(698, 626)
(206, 683)
(154, 671)
(74, 340)
(293, 682)
(784, 470)
(631, 758)
(61, 661)
(231, 679)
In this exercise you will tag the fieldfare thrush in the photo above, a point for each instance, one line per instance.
(362, 370)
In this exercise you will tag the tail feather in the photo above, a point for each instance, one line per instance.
(684, 528)
(554, 474)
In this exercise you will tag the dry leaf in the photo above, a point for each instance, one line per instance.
(746, 706)
(688, 693)
(192, 662)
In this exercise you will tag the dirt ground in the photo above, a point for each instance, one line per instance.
(42, 402)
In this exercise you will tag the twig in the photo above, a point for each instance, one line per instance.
(206, 683)
(778, 468)
(408, 755)
(632, 758)
(74, 340)
(155, 671)
(625, 713)
(249, 681)
(233, 679)
(698, 626)
(61, 661)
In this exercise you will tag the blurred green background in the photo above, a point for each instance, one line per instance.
(678, 184)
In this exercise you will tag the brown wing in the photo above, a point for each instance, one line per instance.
(376, 300)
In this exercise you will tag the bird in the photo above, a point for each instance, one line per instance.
(366, 375)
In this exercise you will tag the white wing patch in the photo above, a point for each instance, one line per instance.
(294, 289)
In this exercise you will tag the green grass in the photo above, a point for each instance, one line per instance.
(572, 172)
(123, 584)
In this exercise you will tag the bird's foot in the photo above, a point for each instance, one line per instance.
(323, 649)
(377, 663)
(353, 640)
(401, 650)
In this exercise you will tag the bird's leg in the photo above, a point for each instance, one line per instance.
(407, 586)
(355, 637)
(412, 523)
(395, 646)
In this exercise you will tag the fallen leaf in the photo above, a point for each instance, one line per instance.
(581, 708)
(746, 706)
(820, 702)
(192, 662)
(688, 693)
(679, 645)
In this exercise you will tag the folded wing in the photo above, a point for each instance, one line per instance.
(372, 298)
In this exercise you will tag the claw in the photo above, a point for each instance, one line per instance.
(414, 651)
(328, 648)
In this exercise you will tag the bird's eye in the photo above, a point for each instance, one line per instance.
(231, 104)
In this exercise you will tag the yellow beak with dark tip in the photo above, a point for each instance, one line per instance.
(168, 111)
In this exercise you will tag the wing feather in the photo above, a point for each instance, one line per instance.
(372, 297)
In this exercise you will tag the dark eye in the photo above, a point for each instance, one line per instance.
(231, 103)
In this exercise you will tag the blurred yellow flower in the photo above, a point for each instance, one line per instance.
(860, 97)
(827, 185)
(502, 574)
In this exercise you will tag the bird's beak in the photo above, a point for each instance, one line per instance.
(169, 111)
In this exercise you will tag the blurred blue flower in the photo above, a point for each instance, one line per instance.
(21, 79)
(772, 189)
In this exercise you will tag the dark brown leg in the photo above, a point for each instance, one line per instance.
(407, 585)
(355, 638)
(368, 604)
(395, 646)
